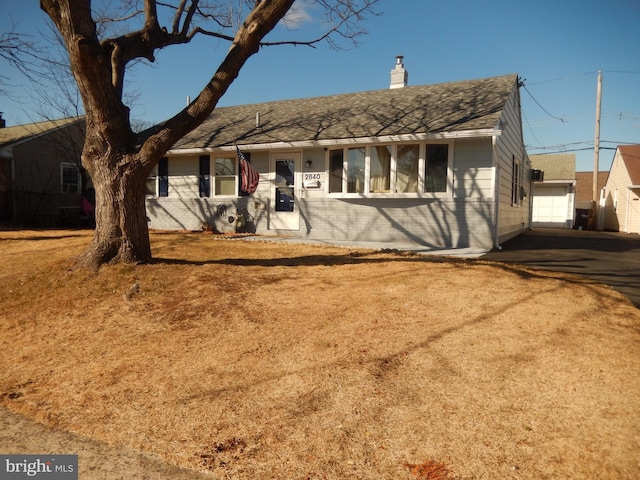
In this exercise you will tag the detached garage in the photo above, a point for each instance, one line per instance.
(553, 202)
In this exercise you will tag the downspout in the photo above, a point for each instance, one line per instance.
(496, 192)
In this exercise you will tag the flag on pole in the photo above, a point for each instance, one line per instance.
(248, 174)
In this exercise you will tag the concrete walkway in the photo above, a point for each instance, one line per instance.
(382, 246)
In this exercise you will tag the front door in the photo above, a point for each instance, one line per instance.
(285, 213)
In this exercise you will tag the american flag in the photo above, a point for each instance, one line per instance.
(250, 177)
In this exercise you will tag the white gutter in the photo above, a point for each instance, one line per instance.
(556, 182)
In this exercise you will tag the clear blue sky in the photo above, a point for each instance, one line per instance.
(557, 46)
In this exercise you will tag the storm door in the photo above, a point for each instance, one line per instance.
(285, 214)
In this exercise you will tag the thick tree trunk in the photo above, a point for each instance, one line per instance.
(117, 161)
(122, 233)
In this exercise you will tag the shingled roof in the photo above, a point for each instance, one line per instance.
(17, 133)
(631, 157)
(445, 107)
(556, 166)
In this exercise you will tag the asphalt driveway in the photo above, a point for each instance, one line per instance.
(609, 258)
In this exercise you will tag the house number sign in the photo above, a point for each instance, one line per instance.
(311, 180)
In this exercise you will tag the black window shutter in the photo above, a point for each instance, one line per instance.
(205, 176)
(163, 177)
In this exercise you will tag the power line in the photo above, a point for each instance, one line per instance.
(622, 71)
(529, 125)
(538, 103)
(566, 77)
(569, 150)
(620, 143)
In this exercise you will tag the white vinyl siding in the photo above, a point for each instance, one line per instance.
(622, 203)
(473, 168)
(512, 218)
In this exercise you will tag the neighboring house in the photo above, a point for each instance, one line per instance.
(40, 178)
(554, 190)
(584, 198)
(584, 188)
(622, 191)
(439, 165)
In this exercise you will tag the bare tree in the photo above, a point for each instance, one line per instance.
(18, 51)
(100, 51)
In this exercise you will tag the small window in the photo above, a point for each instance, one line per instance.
(163, 177)
(356, 164)
(436, 167)
(380, 173)
(225, 176)
(151, 185)
(407, 168)
(336, 166)
(70, 178)
(204, 181)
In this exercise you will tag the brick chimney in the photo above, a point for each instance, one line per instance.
(3, 122)
(399, 75)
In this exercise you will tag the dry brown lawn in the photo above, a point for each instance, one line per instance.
(260, 360)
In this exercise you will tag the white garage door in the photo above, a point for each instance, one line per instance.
(551, 207)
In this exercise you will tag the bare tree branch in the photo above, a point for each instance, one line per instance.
(20, 52)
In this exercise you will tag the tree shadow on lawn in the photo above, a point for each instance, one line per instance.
(378, 257)
(386, 364)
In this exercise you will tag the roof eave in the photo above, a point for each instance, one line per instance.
(567, 181)
(410, 137)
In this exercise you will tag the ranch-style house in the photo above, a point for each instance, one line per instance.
(443, 166)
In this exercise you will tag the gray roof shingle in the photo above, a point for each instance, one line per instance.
(556, 166)
(445, 107)
(10, 135)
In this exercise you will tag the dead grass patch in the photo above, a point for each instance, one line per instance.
(265, 360)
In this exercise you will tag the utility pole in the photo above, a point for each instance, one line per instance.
(595, 219)
(596, 145)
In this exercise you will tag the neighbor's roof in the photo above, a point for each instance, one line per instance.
(584, 184)
(10, 135)
(445, 107)
(556, 166)
(631, 157)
